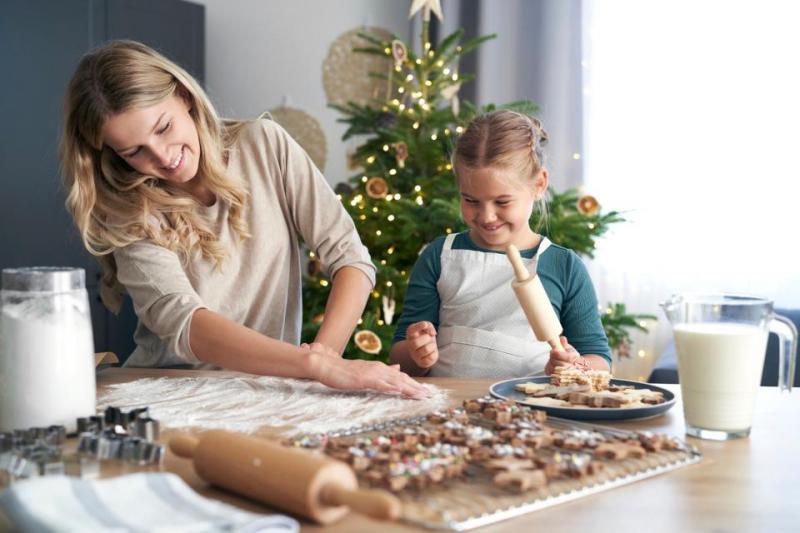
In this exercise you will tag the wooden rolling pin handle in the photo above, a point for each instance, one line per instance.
(377, 504)
(183, 445)
(555, 344)
(520, 272)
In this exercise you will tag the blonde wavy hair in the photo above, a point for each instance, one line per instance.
(112, 204)
(505, 139)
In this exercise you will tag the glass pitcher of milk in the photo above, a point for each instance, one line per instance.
(721, 341)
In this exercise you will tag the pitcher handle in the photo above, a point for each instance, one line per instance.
(787, 350)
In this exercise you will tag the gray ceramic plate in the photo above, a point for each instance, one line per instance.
(505, 390)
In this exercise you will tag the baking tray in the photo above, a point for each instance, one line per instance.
(464, 504)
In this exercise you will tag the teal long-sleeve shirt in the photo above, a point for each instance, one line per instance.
(563, 276)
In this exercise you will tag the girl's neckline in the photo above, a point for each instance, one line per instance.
(524, 251)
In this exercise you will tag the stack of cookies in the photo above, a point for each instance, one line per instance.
(573, 387)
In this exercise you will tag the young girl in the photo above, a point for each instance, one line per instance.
(461, 317)
(199, 220)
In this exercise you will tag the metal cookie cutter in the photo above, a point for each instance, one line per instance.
(81, 466)
(144, 427)
(93, 424)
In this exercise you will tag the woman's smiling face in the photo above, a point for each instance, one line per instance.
(159, 141)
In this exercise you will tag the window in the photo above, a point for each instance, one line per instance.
(692, 126)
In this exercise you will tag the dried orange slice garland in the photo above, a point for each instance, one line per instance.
(368, 341)
(588, 205)
(377, 188)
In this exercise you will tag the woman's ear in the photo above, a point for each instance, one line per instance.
(184, 95)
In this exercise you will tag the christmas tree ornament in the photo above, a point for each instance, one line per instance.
(401, 153)
(455, 106)
(377, 188)
(352, 160)
(385, 120)
(399, 52)
(368, 341)
(388, 306)
(343, 188)
(624, 350)
(427, 6)
(346, 74)
(588, 205)
(450, 91)
(305, 129)
(314, 267)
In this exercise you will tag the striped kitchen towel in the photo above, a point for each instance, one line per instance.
(131, 503)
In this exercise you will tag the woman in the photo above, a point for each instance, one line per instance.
(200, 220)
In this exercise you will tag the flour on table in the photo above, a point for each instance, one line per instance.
(248, 403)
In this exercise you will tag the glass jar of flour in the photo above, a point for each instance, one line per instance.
(46, 348)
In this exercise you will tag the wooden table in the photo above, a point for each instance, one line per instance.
(748, 484)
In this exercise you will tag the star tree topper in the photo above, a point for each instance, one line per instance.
(427, 6)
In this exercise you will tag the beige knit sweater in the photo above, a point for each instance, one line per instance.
(260, 283)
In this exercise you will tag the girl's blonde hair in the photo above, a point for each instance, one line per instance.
(114, 205)
(505, 139)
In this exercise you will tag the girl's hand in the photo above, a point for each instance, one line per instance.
(421, 337)
(566, 356)
(357, 374)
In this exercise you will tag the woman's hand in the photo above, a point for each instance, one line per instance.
(320, 348)
(566, 356)
(347, 374)
(421, 337)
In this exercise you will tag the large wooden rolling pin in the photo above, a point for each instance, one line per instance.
(295, 480)
(534, 301)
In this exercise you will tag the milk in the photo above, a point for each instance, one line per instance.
(720, 367)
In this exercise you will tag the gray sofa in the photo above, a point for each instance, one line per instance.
(666, 369)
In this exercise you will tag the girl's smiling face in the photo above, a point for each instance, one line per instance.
(496, 205)
(160, 140)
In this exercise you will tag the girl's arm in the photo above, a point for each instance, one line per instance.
(346, 301)
(216, 340)
(597, 362)
(417, 325)
(568, 356)
(401, 354)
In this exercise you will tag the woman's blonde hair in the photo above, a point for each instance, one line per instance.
(114, 205)
(504, 139)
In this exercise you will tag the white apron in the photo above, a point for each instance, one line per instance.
(483, 332)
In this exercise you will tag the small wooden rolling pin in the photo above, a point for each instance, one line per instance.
(534, 301)
(294, 480)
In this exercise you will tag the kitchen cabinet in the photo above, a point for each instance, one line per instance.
(41, 42)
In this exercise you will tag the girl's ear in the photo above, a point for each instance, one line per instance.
(540, 182)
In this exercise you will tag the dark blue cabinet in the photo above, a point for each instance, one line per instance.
(41, 42)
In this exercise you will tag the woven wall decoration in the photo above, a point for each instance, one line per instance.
(306, 130)
(345, 74)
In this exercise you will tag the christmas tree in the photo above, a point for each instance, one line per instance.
(406, 193)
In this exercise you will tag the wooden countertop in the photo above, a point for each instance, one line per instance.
(741, 485)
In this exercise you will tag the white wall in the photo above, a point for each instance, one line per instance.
(260, 51)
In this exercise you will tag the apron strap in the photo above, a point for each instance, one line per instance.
(544, 245)
(448, 241)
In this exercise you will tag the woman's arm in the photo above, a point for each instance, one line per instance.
(219, 341)
(346, 301)
(216, 340)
